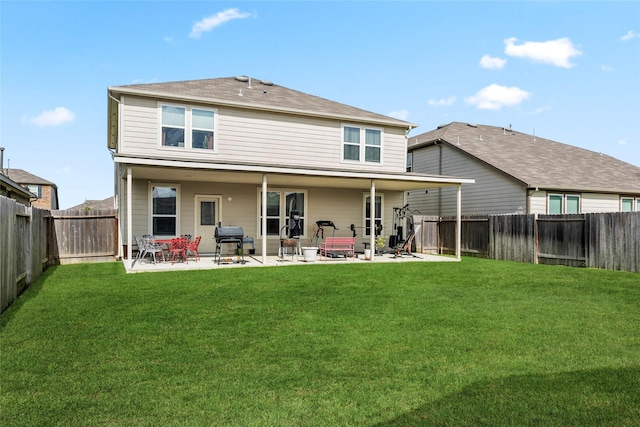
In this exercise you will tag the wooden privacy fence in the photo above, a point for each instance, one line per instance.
(33, 239)
(598, 240)
(25, 235)
(85, 235)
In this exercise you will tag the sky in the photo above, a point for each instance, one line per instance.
(566, 71)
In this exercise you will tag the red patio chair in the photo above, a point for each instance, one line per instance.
(178, 246)
(192, 248)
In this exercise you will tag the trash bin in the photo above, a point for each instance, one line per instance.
(247, 243)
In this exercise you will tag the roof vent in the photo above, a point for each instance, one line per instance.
(473, 125)
(441, 126)
(242, 78)
(266, 82)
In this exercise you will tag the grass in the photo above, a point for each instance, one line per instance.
(415, 344)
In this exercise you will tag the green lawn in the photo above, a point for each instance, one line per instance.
(445, 344)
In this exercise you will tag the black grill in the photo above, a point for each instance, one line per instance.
(229, 234)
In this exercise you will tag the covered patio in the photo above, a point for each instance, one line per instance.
(266, 177)
(208, 262)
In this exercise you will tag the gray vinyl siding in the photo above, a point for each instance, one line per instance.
(493, 192)
(257, 137)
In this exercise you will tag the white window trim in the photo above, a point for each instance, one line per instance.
(188, 128)
(150, 204)
(364, 212)
(363, 145)
(635, 203)
(564, 202)
(283, 210)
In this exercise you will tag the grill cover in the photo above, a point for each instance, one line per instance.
(229, 232)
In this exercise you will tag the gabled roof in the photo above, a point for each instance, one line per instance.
(25, 178)
(536, 162)
(94, 204)
(246, 92)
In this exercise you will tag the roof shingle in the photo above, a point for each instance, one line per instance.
(536, 162)
(256, 94)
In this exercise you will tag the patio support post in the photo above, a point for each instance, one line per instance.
(372, 219)
(264, 218)
(129, 215)
(458, 220)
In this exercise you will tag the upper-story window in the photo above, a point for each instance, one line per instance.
(361, 144)
(35, 189)
(188, 127)
(409, 162)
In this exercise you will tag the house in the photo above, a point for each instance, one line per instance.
(95, 204)
(45, 191)
(519, 173)
(12, 190)
(244, 152)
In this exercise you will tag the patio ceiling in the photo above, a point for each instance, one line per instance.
(285, 176)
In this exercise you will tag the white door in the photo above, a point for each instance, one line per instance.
(207, 216)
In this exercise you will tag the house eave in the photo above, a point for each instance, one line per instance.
(290, 174)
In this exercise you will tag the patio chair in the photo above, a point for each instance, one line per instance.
(148, 246)
(178, 247)
(288, 242)
(192, 248)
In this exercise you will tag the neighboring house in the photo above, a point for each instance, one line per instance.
(519, 173)
(94, 204)
(12, 190)
(45, 191)
(245, 152)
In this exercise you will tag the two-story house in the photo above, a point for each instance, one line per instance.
(246, 152)
(516, 172)
(46, 192)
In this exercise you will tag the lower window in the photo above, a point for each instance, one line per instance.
(563, 204)
(164, 210)
(280, 205)
(377, 214)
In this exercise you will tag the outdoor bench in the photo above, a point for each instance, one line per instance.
(338, 246)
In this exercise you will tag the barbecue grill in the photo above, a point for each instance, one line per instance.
(229, 234)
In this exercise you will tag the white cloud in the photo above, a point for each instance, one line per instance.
(209, 23)
(442, 102)
(55, 117)
(400, 114)
(622, 142)
(630, 36)
(492, 63)
(168, 39)
(494, 97)
(556, 52)
(606, 67)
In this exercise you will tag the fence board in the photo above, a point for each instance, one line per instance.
(512, 237)
(561, 240)
(32, 239)
(85, 235)
(613, 241)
